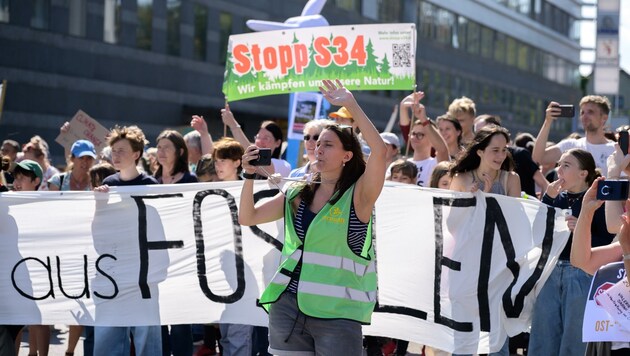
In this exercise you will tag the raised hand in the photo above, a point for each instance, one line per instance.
(228, 117)
(336, 93)
(199, 124)
(552, 111)
(412, 98)
(554, 188)
(589, 201)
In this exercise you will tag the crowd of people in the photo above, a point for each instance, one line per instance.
(345, 164)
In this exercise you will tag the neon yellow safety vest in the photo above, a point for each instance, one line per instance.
(334, 282)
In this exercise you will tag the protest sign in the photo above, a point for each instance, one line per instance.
(452, 272)
(83, 127)
(598, 324)
(363, 57)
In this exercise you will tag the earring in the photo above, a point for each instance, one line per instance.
(343, 164)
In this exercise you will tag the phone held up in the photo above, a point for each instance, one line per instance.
(613, 189)
(264, 157)
(623, 142)
(566, 111)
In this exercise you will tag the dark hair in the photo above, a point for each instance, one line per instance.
(228, 148)
(351, 172)
(13, 144)
(405, 167)
(455, 123)
(587, 162)
(205, 166)
(25, 172)
(276, 131)
(523, 138)
(100, 171)
(470, 160)
(440, 170)
(181, 152)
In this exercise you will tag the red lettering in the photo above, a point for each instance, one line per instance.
(323, 56)
(242, 65)
(358, 51)
(256, 56)
(301, 57)
(269, 58)
(286, 58)
(341, 57)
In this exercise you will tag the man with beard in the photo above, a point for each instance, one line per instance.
(594, 111)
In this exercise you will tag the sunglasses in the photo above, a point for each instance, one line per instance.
(308, 137)
(346, 128)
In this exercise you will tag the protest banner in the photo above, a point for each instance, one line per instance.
(363, 57)
(616, 301)
(304, 108)
(83, 127)
(452, 272)
(598, 324)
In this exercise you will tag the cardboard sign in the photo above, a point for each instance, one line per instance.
(83, 127)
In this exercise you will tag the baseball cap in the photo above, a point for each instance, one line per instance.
(82, 148)
(31, 166)
(390, 139)
(342, 113)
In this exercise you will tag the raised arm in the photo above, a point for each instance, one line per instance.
(542, 154)
(404, 120)
(369, 186)
(198, 123)
(437, 141)
(250, 214)
(230, 121)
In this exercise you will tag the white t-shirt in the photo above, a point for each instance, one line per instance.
(425, 168)
(600, 152)
(281, 166)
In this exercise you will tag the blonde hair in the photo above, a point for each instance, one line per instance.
(601, 101)
(462, 105)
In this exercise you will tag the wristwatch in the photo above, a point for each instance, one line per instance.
(246, 175)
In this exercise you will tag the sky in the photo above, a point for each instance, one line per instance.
(587, 39)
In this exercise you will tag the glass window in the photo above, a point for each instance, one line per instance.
(549, 66)
(523, 56)
(225, 24)
(535, 61)
(473, 37)
(201, 30)
(499, 46)
(462, 26)
(40, 17)
(145, 24)
(428, 14)
(111, 21)
(487, 37)
(444, 26)
(511, 54)
(173, 13)
(4, 10)
(370, 9)
(351, 5)
(76, 17)
(390, 10)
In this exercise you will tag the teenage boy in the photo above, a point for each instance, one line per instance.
(127, 144)
(27, 176)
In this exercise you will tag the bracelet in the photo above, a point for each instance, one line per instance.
(626, 257)
(246, 175)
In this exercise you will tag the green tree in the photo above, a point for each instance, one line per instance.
(384, 68)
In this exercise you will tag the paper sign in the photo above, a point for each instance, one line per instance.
(304, 109)
(83, 127)
(616, 301)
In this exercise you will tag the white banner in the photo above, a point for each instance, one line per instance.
(456, 271)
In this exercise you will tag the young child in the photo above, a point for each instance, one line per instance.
(404, 171)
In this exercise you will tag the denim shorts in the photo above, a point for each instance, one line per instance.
(293, 333)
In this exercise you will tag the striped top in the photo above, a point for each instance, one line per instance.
(357, 232)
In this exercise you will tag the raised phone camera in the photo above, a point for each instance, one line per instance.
(612, 189)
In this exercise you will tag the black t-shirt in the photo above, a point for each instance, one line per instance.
(186, 178)
(525, 167)
(142, 179)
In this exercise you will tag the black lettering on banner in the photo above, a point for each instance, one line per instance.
(513, 310)
(146, 245)
(86, 287)
(238, 247)
(441, 260)
(268, 193)
(51, 292)
(98, 268)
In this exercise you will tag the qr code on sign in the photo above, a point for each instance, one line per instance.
(402, 54)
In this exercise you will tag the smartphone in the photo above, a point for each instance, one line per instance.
(623, 142)
(566, 111)
(612, 189)
(264, 157)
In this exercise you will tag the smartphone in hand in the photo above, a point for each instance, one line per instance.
(612, 189)
(566, 111)
(623, 142)
(264, 157)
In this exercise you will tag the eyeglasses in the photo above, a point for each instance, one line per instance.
(263, 138)
(418, 135)
(308, 137)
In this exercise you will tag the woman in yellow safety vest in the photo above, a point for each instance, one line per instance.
(325, 286)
